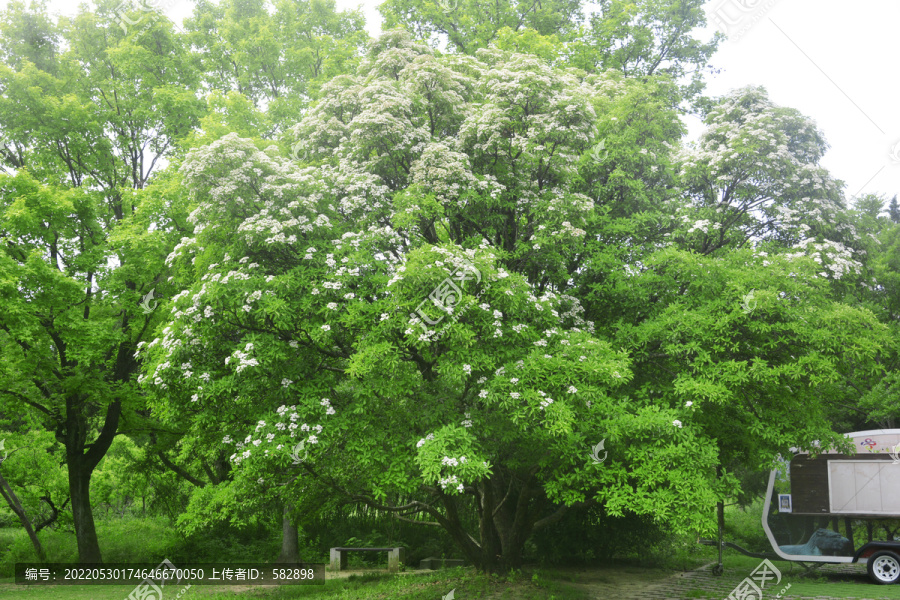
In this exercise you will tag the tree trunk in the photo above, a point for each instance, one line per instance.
(514, 527)
(81, 465)
(490, 544)
(454, 527)
(54, 513)
(290, 543)
(16, 506)
(83, 515)
(507, 522)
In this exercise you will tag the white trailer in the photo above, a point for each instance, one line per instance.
(835, 487)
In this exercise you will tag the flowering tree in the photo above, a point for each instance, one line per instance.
(754, 176)
(396, 307)
(733, 307)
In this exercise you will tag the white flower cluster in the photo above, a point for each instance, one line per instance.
(243, 358)
(569, 229)
(290, 425)
(703, 225)
(421, 442)
(451, 481)
(546, 402)
(839, 258)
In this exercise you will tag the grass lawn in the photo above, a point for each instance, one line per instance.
(428, 585)
(821, 584)
(633, 578)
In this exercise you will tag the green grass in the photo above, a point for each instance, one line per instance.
(123, 540)
(817, 584)
(429, 585)
(134, 540)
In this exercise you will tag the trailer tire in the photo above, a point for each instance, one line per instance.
(884, 567)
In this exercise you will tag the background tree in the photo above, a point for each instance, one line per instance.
(276, 54)
(894, 210)
(641, 39)
(33, 481)
(470, 25)
(647, 38)
(89, 135)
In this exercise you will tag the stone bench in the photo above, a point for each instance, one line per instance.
(339, 557)
(433, 563)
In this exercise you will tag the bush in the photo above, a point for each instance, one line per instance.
(743, 526)
(587, 534)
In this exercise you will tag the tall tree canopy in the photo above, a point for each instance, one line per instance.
(643, 39)
(276, 54)
(418, 303)
(82, 237)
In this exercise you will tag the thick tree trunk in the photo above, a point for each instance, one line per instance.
(290, 542)
(506, 522)
(490, 543)
(83, 515)
(451, 523)
(514, 527)
(81, 465)
(16, 506)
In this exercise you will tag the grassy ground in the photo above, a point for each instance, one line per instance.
(614, 581)
(429, 585)
(646, 579)
(851, 582)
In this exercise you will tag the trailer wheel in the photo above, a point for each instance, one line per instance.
(884, 567)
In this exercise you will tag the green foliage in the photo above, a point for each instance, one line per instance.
(698, 308)
(35, 468)
(270, 58)
(644, 39)
(585, 535)
(743, 526)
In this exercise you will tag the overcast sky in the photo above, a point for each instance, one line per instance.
(830, 59)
